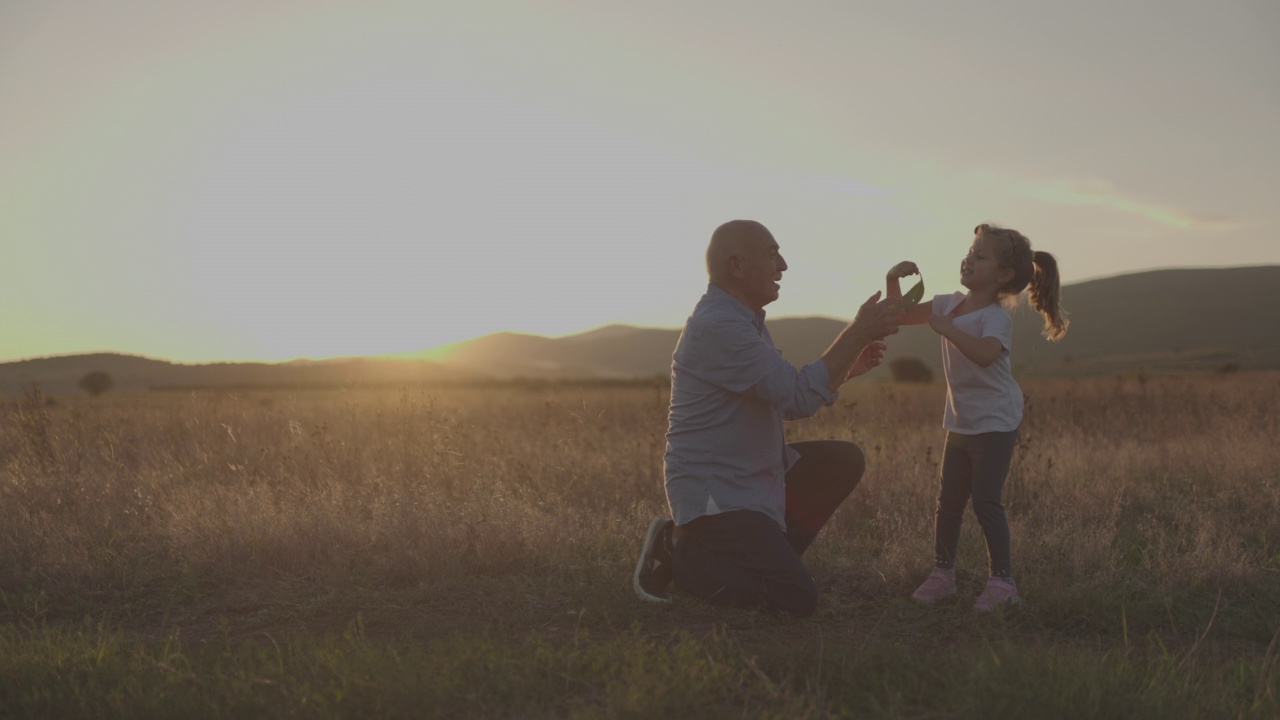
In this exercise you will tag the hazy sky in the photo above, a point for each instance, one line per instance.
(266, 179)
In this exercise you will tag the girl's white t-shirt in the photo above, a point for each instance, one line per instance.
(979, 399)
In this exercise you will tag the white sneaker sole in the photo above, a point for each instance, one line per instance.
(926, 601)
(654, 528)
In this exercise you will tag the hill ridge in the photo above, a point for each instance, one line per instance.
(1163, 319)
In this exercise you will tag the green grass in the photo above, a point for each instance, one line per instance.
(467, 552)
(720, 671)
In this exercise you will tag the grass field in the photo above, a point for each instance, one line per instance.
(466, 552)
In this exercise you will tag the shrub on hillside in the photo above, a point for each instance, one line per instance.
(96, 383)
(910, 369)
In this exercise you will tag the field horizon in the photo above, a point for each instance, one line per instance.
(1160, 321)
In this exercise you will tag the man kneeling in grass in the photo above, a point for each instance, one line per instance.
(746, 504)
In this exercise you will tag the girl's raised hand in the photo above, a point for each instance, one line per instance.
(903, 269)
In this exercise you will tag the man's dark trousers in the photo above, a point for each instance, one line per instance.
(741, 558)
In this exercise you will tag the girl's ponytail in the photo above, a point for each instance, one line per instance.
(1046, 295)
(1036, 270)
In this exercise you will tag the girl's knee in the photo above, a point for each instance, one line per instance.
(989, 512)
(988, 506)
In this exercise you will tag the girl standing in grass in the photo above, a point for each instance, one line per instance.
(984, 403)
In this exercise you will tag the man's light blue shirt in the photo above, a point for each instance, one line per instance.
(731, 389)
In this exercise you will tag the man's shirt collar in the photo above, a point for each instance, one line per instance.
(723, 299)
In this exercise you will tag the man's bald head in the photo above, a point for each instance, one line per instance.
(735, 238)
(743, 260)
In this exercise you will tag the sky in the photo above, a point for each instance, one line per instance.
(275, 179)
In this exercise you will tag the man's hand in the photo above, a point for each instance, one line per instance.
(871, 357)
(853, 351)
(878, 319)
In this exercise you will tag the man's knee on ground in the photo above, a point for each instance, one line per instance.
(800, 600)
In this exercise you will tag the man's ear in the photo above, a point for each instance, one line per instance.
(735, 266)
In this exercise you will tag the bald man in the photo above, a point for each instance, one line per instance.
(745, 504)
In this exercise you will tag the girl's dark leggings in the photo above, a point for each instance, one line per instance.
(974, 466)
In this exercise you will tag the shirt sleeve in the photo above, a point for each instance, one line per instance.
(739, 360)
(941, 302)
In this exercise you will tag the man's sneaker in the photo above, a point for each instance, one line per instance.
(999, 591)
(940, 583)
(653, 569)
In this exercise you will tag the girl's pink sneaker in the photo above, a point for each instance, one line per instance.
(999, 591)
(940, 583)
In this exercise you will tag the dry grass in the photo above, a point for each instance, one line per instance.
(1140, 508)
(1174, 479)
(336, 489)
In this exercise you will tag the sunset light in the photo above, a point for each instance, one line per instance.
(278, 180)
(667, 359)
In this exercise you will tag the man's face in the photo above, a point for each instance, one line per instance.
(760, 266)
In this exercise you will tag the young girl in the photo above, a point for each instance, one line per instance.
(984, 403)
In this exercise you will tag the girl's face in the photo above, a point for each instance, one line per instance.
(980, 269)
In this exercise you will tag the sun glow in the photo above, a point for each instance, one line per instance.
(281, 180)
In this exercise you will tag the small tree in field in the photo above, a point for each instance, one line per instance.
(96, 383)
(910, 369)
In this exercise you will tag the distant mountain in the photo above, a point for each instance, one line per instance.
(1161, 320)
(130, 373)
(613, 351)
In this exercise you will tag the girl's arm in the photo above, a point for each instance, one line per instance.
(981, 350)
(917, 314)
